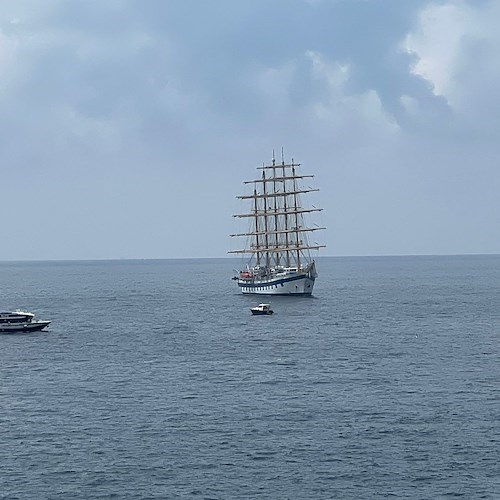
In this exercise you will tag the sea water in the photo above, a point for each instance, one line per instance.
(154, 381)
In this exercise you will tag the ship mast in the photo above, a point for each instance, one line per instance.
(279, 235)
(295, 205)
(257, 233)
(266, 228)
(285, 210)
(277, 259)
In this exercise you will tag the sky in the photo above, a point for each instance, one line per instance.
(127, 127)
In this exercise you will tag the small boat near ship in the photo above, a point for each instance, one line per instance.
(20, 321)
(261, 310)
(280, 255)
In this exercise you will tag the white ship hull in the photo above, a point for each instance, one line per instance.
(301, 284)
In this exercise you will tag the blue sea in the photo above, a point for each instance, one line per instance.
(155, 382)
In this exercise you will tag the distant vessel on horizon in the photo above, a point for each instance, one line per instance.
(280, 255)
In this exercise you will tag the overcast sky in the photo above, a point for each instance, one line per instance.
(128, 126)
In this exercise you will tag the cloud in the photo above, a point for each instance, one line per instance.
(118, 74)
(436, 45)
(363, 111)
(456, 46)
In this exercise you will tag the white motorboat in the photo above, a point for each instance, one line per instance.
(20, 321)
(262, 309)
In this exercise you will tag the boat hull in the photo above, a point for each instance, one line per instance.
(32, 326)
(298, 284)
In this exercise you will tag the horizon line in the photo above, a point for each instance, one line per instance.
(118, 259)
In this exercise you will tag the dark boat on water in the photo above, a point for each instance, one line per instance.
(19, 321)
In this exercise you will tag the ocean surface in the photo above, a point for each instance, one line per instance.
(155, 382)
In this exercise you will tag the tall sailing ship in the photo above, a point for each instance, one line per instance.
(280, 255)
